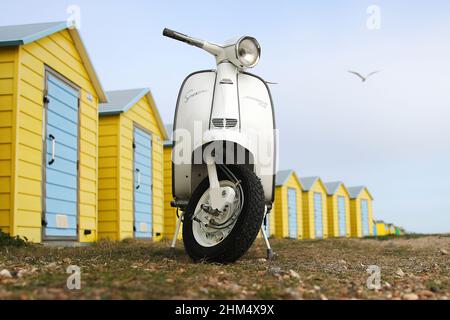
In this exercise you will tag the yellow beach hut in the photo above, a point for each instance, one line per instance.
(381, 228)
(315, 214)
(49, 95)
(285, 220)
(170, 213)
(131, 192)
(361, 211)
(390, 229)
(338, 205)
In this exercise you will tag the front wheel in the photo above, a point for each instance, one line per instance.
(224, 237)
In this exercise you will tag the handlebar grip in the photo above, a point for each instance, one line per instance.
(182, 37)
(175, 35)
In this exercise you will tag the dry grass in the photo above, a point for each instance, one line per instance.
(412, 267)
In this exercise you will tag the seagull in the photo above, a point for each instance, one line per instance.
(364, 79)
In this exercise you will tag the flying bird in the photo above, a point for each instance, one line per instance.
(364, 79)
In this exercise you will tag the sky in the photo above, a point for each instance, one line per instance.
(391, 133)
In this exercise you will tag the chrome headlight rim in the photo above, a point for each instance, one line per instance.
(258, 49)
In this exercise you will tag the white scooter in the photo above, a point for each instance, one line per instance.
(224, 153)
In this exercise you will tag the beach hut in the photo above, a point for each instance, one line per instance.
(361, 211)
(374, 228)
(338, 205)
(315, 214)
(131, 193)
(381, 228)
(170, 214)
(286, 216)
(390, 229)
(49, 95)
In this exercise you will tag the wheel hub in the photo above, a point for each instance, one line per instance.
(211, 226)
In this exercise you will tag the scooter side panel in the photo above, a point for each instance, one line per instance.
(257, 119)
(192, 117)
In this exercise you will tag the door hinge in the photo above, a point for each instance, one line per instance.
(134, 145)
(78, 165)
(44, 223)
(46, 99)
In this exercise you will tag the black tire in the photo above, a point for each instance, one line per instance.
(246, 229)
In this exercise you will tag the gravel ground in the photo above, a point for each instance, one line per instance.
(411, 267)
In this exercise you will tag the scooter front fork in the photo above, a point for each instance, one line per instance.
(220, 197)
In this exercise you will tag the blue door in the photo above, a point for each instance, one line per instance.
(318, 214)
(61, 160)
(292, 213)
(143, 224)
(365, 217)
(342, 217)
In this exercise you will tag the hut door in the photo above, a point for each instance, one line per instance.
(318, 214)
(61, 160)
(365, 217)
(292, 213)
(342, 216)
(143, 225)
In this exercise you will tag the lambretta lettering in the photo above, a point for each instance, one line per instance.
(186, 310)
(191, 93)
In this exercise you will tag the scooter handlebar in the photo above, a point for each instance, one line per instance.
(183, 38)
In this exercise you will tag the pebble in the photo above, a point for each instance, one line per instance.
(274, 271)
(234, 288)
(21, 273)
(293, 294)
(294, 274)
(410, 296)
(400, 273)
(204, 290)
(426, 294)
(443, 251)
(5, 274)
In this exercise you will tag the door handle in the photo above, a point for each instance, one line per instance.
(138, 179)
(52, 137)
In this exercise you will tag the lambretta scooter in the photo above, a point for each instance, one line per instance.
(224, 153)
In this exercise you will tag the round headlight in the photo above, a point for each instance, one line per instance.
(248, 51)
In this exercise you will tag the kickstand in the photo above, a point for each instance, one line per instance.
(270, 254)
(175, 235)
